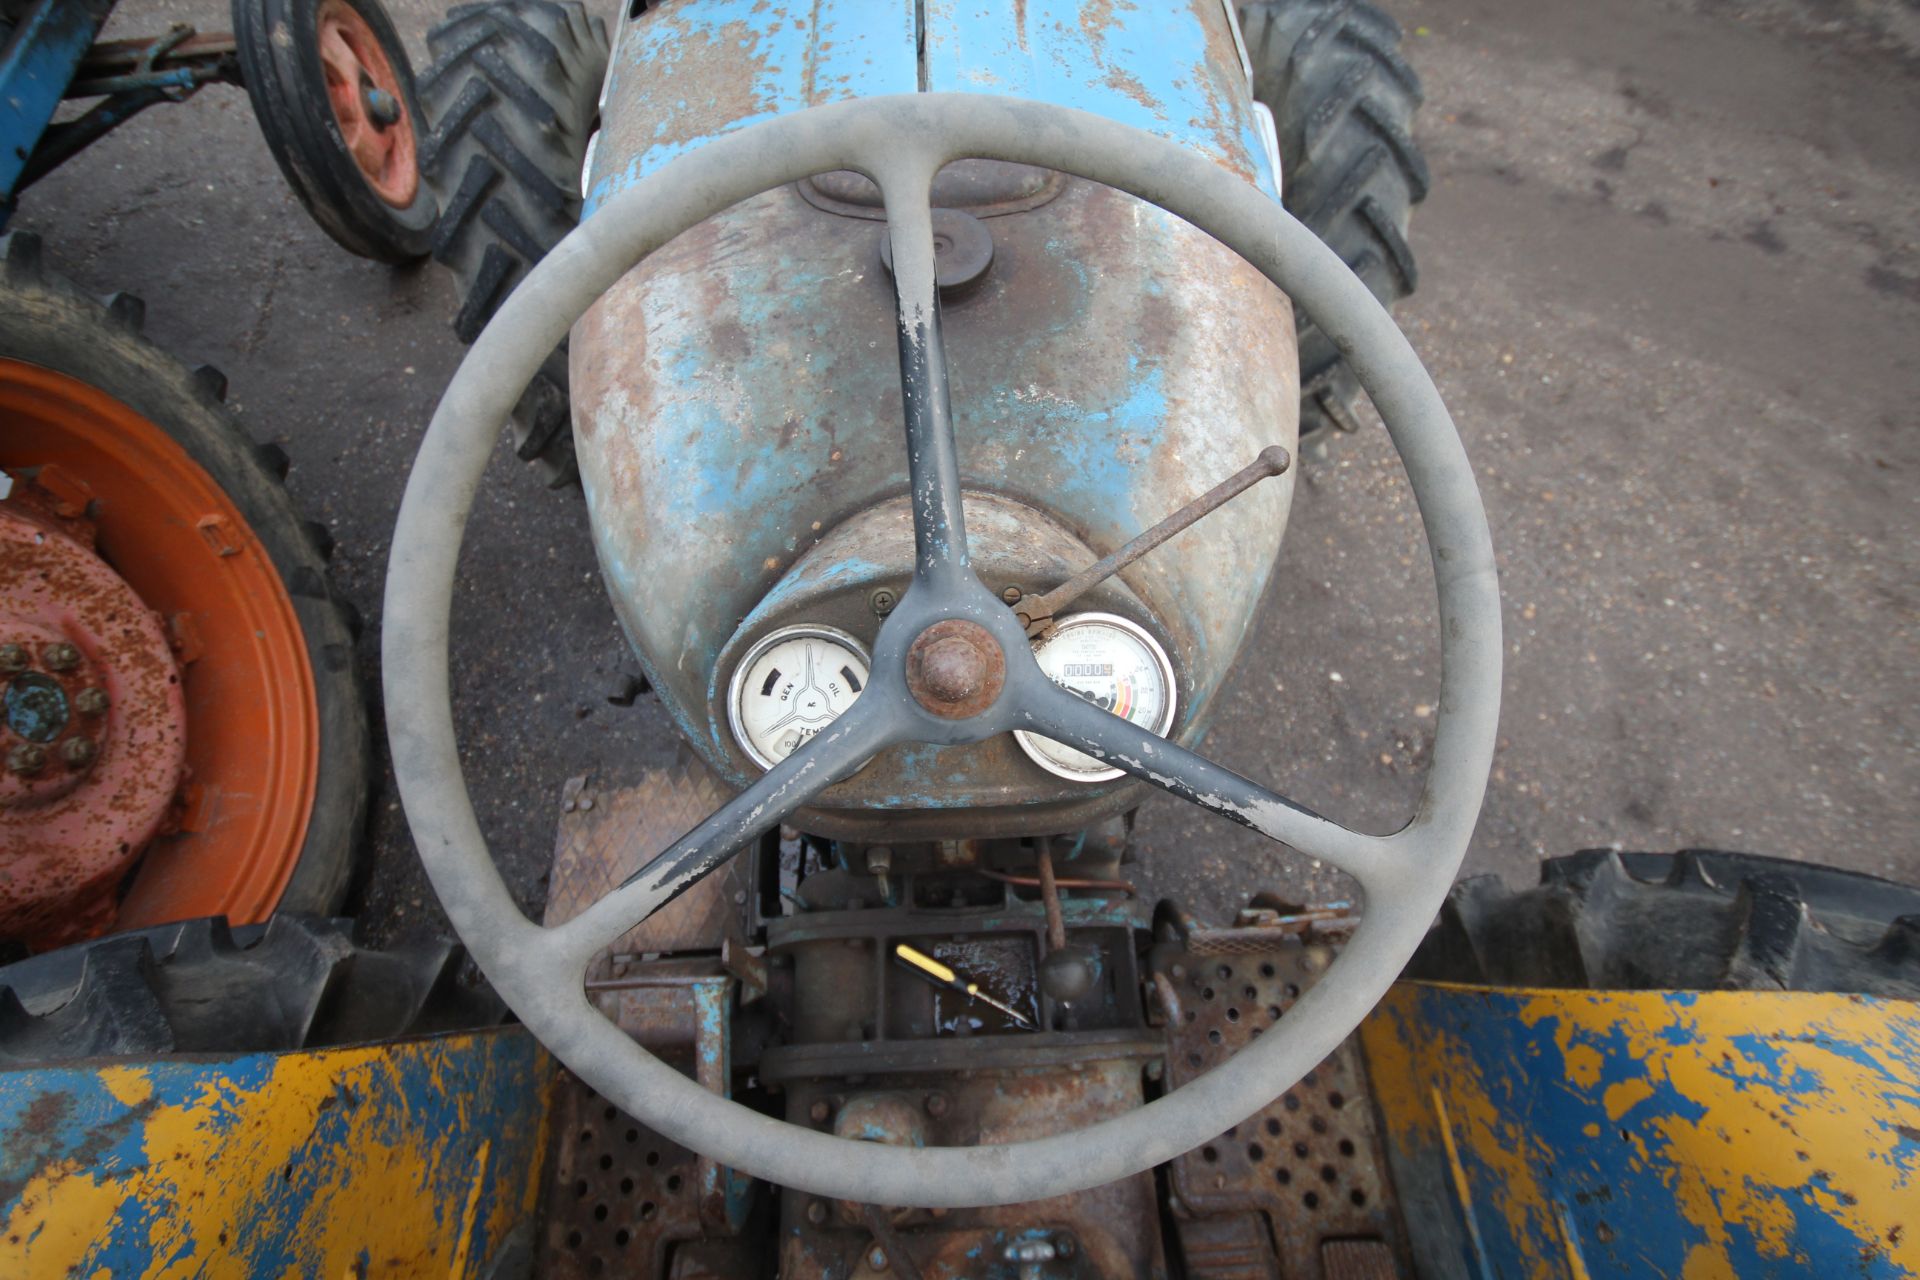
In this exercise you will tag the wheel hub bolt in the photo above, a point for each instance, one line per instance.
(60, 656)
(382, 107)
(91, 702)
(13, 658)
(27, 759)
(78, 752)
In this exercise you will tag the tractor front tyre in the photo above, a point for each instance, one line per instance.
(334, 96)
(1697, 920)
(191, 514)
(1343, 102)
(514, 95)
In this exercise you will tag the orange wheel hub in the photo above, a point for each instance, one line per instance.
(246, 690)
(368, 104)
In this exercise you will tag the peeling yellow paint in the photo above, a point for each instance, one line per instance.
(130, 1085)
(1583, 1064)
(234, 1164)
(1742, 1104)
(1623, 1097)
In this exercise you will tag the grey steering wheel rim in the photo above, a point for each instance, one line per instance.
(901, 142)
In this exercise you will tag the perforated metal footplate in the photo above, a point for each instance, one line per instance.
(621, 1195)
(1300, 1189)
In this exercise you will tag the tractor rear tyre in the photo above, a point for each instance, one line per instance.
(513, 94)
(1697, 920)
(299, 982)
(279, 701)
(1343, 102)
(333, 92)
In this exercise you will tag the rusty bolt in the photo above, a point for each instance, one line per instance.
(953, 670)
(78, 752)
(936, 1105)
(883, 600)
(13, 657)
(27, 759)
(817, 1212)
(1011, 595)
(819, 1111)
(91, 702)
(60, 656)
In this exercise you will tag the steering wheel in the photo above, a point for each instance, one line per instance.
(951, 664)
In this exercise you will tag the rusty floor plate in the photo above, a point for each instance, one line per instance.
(623, 1197)
(1310, 1163)
(621, 1194)
(607, 833)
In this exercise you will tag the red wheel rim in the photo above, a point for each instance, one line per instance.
(356, 69)
(253, 722)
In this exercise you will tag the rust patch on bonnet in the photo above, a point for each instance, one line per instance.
(687, 82)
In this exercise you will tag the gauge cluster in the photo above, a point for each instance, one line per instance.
(790, 685)
(1116, 665)
(795, 681)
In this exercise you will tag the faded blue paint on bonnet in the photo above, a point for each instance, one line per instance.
(1163, 68)
(840, 49)
(1157, 66)
(736, 398)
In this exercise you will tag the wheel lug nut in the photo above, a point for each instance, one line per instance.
(13, 658)
(60, 656)
(382, 108)
(91, 702)
(27, 759)
(78, 752)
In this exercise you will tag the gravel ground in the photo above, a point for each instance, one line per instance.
(1670, 288)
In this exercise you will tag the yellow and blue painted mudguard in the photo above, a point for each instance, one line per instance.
(1685, 1134)
(413, 1158)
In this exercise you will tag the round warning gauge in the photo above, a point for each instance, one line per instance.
(793, 683)
(1116, 665)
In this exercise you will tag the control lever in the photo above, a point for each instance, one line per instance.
(1036, 613)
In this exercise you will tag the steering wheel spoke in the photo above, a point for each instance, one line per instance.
(1077, 723)
(933, 465)
(829, 756)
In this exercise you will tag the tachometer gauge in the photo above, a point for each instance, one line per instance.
(792, 684)
(1117, 666)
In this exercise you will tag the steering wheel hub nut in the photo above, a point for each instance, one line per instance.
(955, 669)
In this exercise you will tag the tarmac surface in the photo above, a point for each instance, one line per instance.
(1670, 288)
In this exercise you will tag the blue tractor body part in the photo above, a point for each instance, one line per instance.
(737, 403)
(43, 50)
(52, 54)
